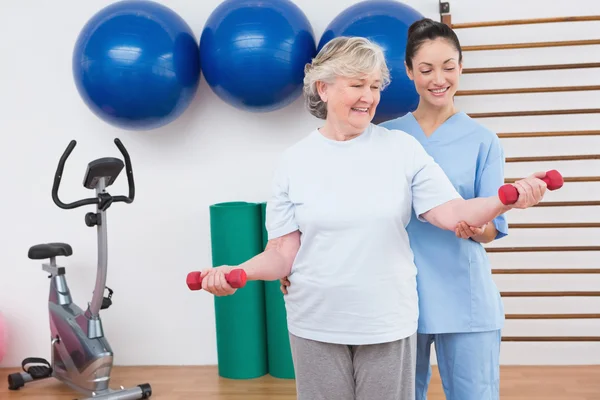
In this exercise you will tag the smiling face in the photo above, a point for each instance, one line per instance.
(435, 71)
(351, 102)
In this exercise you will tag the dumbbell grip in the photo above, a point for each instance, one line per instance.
(509, 194)
(236, 278)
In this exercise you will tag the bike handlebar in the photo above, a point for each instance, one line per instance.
(92, 200)
(129, 171)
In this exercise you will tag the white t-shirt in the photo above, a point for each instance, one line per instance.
(354, 279)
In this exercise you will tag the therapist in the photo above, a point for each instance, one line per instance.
(460, 308)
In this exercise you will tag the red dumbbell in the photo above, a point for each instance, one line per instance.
(509, 194)
(236, 278)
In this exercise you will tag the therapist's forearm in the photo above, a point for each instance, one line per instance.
(489, 234)
(475, 212)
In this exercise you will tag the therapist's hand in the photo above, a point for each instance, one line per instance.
(285, 282)
(464, 231)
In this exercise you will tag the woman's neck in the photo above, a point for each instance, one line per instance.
(333, 131)
(430, 118)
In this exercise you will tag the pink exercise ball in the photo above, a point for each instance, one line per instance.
(3, 340)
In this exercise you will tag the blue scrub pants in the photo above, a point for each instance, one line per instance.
(469, 364)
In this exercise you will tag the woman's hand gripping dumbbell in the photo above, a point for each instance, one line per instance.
(235, 277)
(226, 280)
(509, 193)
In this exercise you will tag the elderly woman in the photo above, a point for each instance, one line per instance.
(341, 199)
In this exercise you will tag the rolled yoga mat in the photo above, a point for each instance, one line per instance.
(236, 236)
(278, 341)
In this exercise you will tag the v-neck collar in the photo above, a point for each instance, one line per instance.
(434, 135)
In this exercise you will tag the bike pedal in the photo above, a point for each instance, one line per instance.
(39, 371)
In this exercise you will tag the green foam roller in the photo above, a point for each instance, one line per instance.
(278, 341)
(236, 237)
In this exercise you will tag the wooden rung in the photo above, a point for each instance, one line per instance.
(540, 249)
(552, 316)
(513, 135)
(551, 339)
(532, 45)
(528, 68)
(533, 113)
(552, 89)
(567, 203)
(482, 24)
(568, 179)
(550, 294)
(580, 157)
(559, 225)
(536, 271)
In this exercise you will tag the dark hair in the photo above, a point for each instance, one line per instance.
(427, 29)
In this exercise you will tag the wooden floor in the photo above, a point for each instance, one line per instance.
(202, 383)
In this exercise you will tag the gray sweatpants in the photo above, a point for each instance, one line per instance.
(326, 371)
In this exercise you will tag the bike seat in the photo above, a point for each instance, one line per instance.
(48, 250)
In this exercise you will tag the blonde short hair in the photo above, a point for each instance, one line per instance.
(350, 57)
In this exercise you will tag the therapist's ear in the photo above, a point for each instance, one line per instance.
(409, 72)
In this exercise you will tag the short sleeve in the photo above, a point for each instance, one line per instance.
(280, 210)
(430, 185)
(492, 177)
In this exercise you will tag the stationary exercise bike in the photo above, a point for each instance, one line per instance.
(81, 356)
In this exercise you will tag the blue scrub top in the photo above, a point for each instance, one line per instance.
(455, 285)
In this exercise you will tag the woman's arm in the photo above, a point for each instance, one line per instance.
(480, 211)
(273, 263)
(276, 261)
(474, 212)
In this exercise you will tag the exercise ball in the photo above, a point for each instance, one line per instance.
(136, 65)
(3, 337)
(254, 51)
(386, 23)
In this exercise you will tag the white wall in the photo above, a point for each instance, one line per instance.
(215, 153)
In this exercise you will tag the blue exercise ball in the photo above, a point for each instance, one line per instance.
(386, 23)
(136, 65)
(254, 51)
